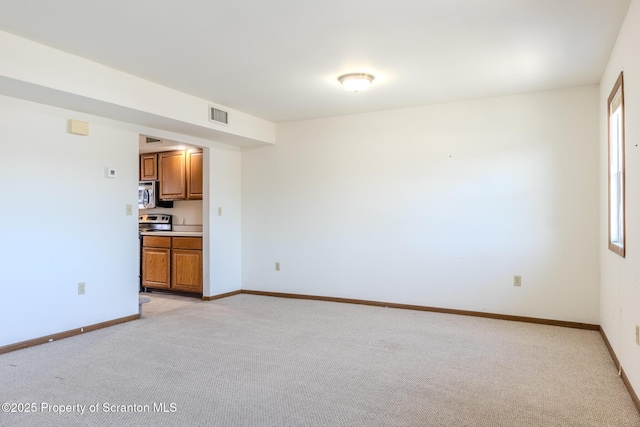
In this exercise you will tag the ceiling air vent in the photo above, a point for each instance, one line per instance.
(218, 116)
(153, 140)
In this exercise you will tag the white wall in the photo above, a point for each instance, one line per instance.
(63, 222)
(437, 206)
(224, 230)
(620, 277)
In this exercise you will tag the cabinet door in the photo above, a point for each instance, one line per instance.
(149, 167)
(172, 175)
(186, 274)
(156, 267)
(194, 174)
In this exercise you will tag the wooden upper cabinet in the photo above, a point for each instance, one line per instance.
(171, 168)
(194, 174)
(149, 167)
(180, 175)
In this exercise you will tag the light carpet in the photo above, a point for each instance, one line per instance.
(251, 360)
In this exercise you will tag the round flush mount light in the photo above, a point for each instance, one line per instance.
(356, 82)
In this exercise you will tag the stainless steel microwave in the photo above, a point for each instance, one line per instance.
(148, 196)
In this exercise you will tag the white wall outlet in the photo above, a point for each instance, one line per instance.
(110, 172)
(129, 209)
(517, 280)
(81, 288)
(277, 266)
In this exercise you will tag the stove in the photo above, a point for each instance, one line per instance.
(155, 222)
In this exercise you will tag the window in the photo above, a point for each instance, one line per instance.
(616, 168)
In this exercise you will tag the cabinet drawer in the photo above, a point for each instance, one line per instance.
(187, 243)
(156, 241)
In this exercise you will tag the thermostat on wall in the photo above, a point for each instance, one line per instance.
(110, 172)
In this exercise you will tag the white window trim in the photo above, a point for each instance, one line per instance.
(616, 169)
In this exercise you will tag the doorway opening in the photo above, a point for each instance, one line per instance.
(171, 217)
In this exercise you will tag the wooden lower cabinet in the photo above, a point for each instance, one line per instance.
(186, 272)
(155, 267)
(173, 263)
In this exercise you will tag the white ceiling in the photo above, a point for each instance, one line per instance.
(279, 59)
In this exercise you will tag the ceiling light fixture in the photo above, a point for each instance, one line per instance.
(356, 82)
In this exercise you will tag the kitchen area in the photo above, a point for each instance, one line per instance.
(170, 217)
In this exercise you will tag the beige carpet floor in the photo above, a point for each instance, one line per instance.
(258, 361)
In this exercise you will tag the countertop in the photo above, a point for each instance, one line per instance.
(172, 233)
